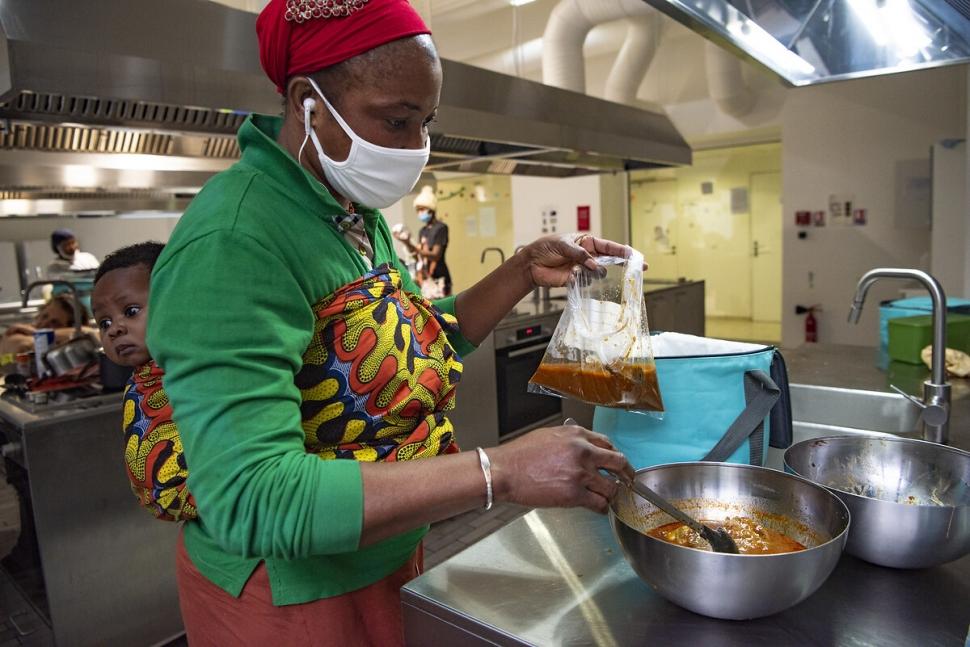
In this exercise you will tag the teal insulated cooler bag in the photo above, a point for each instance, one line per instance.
(723, 401)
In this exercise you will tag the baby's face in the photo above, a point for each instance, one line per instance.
(120, 302)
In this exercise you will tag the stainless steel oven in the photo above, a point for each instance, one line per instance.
(518, 350)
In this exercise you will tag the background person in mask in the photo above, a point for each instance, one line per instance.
(431, 247)
(69, 257)
(310, 381)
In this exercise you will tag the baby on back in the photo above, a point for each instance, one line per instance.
(153, 450)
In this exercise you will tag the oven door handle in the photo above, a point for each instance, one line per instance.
(528, 349)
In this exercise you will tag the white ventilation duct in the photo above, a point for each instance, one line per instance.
(725, 81)
(563, 65)
(633, 61)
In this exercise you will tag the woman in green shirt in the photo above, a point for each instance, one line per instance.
(288, 334)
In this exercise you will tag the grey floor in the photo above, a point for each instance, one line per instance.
(458, 533)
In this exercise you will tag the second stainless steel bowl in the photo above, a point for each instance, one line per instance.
(732, 586)
(910, 499)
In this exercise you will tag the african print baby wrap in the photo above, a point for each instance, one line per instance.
(379, 374)
(377, 377)
(153, 450)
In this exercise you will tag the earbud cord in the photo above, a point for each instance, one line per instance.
(306, 138)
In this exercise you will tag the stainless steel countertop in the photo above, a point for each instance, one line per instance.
(25, 416)
(557, 576)
(854, 367)
(528, 310)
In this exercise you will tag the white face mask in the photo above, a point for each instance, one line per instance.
(372, 175)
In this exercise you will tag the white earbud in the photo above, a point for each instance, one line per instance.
(309, 105)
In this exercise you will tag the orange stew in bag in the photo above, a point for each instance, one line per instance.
(600, 352)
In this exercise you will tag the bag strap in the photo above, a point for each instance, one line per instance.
(779, 423)
(761, 393)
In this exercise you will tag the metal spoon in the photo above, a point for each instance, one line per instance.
(719, 539)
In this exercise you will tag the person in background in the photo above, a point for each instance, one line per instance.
(153, 450)
(69, 257)
(310, 380)
(58, 314)
(431, 247)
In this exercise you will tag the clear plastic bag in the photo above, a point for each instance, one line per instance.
(600, 352)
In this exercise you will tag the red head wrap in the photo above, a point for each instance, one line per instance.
(304, 36)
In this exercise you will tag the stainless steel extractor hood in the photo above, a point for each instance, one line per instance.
(815, 41)
(173, 80)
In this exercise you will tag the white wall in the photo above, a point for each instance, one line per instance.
(847, 138)
(533, 195)
(615, 207)
(950, 236)
(98, 236)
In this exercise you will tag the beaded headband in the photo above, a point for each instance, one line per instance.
(300, 11)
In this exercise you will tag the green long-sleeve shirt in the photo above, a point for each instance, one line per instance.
(229, 320)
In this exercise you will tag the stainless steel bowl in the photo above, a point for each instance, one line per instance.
(720, 585)
(910, 499)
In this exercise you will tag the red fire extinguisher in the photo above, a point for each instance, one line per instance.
(811, 324)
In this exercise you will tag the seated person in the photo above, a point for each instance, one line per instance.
(68, 256)
(153, 450)
(58, 313)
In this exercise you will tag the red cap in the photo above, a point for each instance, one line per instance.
(305, 36)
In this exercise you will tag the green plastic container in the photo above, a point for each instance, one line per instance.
(908, 336)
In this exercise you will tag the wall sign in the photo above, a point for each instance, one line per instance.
(840, 209)
(582, 218)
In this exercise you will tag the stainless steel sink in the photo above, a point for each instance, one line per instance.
(829, 411)
(869, 410)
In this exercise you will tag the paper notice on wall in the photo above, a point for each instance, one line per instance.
(840, 209)
(739, 200)
(486, 222)
(913, 199)
(471, 226)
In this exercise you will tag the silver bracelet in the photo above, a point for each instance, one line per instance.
(487, 471)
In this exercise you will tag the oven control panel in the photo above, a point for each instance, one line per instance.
(539, 329)
(530, 332)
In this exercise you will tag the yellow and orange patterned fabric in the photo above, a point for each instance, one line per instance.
(153, 450)
(377, 378)
(379, 374)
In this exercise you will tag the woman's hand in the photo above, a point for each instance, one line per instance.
(551, 259)
(557, 467)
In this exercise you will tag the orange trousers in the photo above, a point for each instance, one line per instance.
(213, 618)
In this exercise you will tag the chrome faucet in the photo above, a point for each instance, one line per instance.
(492, 249)
(74, 300)
(935, 404)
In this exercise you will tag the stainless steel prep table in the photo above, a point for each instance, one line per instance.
(557, 576)
(108, 565)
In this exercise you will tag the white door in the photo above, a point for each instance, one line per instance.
(654, 229)
(766, 220)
